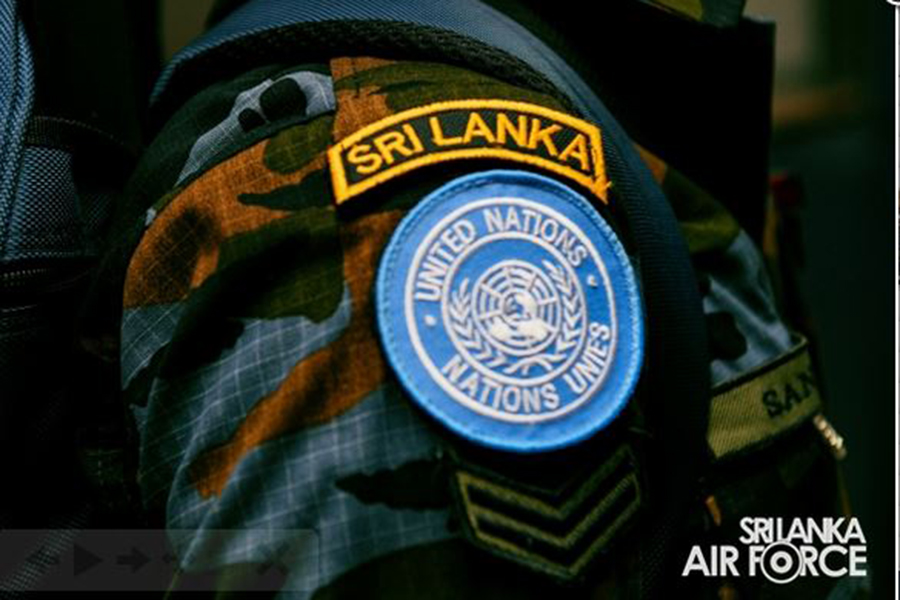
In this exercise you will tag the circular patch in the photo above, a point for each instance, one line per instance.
(510, 312)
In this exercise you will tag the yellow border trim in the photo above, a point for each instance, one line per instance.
(343, 191)
(688, 8)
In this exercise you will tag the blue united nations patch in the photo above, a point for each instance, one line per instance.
(510, 312)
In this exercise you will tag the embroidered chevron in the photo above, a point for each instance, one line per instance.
(556, 533)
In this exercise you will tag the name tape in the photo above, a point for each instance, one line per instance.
(764, 403)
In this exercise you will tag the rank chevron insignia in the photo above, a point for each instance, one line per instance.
(559, 531)
(510, 312)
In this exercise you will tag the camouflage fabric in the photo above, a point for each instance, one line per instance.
(720, 13)
(251, 361)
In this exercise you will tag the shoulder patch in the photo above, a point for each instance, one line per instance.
(510, 312)
(443, 131)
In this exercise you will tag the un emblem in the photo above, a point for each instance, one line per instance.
(509, 311)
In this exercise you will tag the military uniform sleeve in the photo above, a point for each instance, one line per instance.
(266, 409)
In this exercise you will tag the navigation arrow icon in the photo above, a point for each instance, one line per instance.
(135, 560)
(82, 560)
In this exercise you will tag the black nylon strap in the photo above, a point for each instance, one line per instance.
(676, 364)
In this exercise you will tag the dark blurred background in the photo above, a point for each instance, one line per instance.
(833, 116)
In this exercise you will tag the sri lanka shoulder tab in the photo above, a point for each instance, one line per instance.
(518, 132)
(763, 404)
(510, 312)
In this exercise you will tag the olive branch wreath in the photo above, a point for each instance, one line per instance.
(464, 326)
(573, 310)
(570, 329)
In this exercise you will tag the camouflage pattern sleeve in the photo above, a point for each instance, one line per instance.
(252, 365)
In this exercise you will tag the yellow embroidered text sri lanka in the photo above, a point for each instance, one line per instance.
(468, 129)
